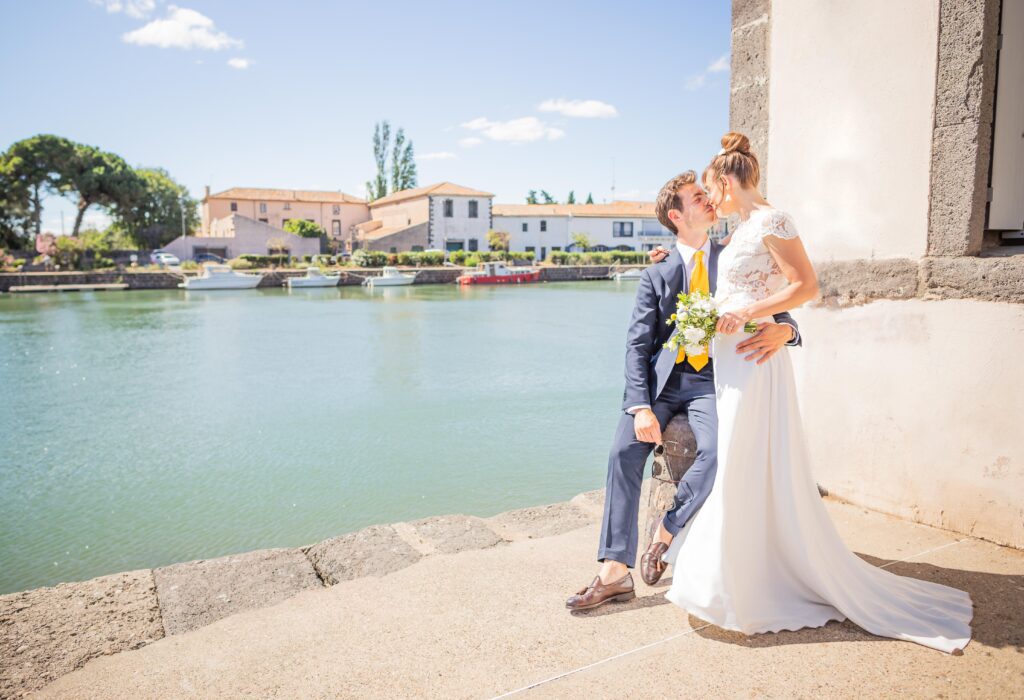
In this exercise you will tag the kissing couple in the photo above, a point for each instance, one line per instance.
(751, 544)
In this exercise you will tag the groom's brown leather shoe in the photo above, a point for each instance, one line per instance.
(651, 565)
(598, 593)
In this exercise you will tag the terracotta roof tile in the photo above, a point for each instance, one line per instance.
(616, 209)
(441, 188)
(272, 195)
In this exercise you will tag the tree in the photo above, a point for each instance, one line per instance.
(571, 199)
(29, 170)
(301, 227)
(154, 218)
(497, 240)
(548, 199)
(100, 178)
(590, 198)
(378, 186)
(531, 197)
(581, 241)
(403, 164)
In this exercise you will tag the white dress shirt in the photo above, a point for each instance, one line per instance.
(688, 255)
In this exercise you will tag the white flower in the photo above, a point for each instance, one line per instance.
(694, 349)
(694, 335)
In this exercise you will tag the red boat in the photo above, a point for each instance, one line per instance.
(497, 273)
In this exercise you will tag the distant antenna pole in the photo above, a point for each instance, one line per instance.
(613, 179)
(62, 223)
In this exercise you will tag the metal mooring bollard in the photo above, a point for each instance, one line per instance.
(671, 460)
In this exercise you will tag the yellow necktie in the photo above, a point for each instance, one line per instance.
(699, 282)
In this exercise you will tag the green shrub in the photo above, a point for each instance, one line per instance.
(240, 263)
(101, 262)
(457, 257)
(190, 265)
(369, 258)
(430, 258)
(472, 260)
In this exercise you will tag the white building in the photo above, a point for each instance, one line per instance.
(543, 228)
(444, 216)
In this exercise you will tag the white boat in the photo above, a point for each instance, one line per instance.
(628, 275)
(314, 278)
(391, 277)
(218, 276)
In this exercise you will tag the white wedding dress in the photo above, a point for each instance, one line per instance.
(762, 554)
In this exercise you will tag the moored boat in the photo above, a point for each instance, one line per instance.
(630, 275)
(218, 276)
(390, 277)
(497, 273)
(313, 278)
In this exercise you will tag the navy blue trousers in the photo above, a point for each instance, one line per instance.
(686, 391)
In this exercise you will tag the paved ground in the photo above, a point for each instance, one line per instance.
(484, 622)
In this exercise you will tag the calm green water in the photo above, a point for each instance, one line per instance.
(145, 428)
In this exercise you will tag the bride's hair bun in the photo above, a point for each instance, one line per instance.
(735, 141)
(735, 159)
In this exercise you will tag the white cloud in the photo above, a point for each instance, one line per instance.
(239, 63)
(585, 109)
(470, 141)
(440, 155)
(721, 65)
(132, 8)
(182, 28)
(522, 130)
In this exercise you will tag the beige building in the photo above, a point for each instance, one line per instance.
(442, 216)
(335, 212)
(892, 133)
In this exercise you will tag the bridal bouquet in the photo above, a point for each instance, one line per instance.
(695, 319)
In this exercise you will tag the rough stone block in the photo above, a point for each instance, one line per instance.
(373, 551)
(541, 521)
(960, 157)
(196, 593)
(449, 534)
(48, 632)
(965, 82)
(859, 281)
(988, 279)
(746, 11)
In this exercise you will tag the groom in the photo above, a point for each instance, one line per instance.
(661, 383)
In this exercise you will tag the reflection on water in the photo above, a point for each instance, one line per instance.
(143, 428)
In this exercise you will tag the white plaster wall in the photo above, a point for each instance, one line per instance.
(852, 92)
(913, 408)
(560, 229)
(460, 227)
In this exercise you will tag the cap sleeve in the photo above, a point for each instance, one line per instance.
(779, 224)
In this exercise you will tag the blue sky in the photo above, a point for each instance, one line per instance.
(504, 97)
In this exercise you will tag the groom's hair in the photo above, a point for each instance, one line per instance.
(668, 198)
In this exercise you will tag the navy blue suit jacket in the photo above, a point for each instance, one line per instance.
(648, 363)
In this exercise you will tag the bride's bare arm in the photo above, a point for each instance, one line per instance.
(792, 258)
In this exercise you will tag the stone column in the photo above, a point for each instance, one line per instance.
(670, 463)
(748, 95)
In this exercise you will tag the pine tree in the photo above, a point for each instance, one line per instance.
(571, 199)
(590, 198)
(403, 164)
(531, 197)
(378, 187)
(547, 198)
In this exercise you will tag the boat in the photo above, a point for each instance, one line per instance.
(314, 278)
(630, 275)
(390, 277)
(219, 276)
(498, 273)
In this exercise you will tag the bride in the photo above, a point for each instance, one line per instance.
(762, 554)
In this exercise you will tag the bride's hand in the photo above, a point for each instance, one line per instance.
(732, 321)
(657, 254)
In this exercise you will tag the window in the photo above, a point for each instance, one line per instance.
(336, 228)
(263, 207)
(264, 220)
(449, 208)
(531, 249)
(417, 249)
(393, 249)
(555, 247)
(473, 245)
(336, 209)
(526, 227)
(234, 206)
(287, 206)
(543, 226)
(622, 229)
(472, 211)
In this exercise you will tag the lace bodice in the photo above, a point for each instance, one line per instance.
(747, 272)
